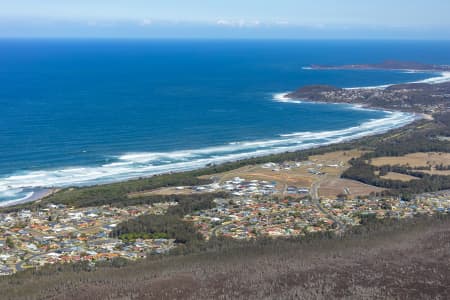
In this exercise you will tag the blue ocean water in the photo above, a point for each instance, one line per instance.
(80, 112)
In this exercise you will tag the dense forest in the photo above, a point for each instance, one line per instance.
(169, 225)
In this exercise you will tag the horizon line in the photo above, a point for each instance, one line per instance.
(222, 38)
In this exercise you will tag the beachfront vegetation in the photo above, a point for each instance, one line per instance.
(421, 136)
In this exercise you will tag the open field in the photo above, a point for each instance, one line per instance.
(162, 191)
(304, 174)
(334, 186)
(297, 177)
(398, 176)
(435, 172)
(337, 157)
(419, 159)
(299, 174)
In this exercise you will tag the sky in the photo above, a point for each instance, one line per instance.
(322, 19)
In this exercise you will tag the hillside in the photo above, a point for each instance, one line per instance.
(408, 260)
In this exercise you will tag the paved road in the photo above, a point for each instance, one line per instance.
(314, 192)
(19, 265)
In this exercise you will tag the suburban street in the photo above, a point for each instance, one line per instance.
(314, 192)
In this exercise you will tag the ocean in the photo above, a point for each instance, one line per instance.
(83, 112)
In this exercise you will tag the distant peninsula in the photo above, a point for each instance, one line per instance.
(413, 97)
(387, 65)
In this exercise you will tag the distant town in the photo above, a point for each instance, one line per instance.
(421, 97)
(414, 97)
(387, 65)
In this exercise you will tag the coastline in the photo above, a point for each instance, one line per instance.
(38, 196)
(386, 65)
(34, 197)
(444, 77)
(290, 97)
(280, 97)
(355, 106)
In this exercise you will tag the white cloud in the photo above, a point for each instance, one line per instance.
(223, 22)
(238, 23)
(282, 23)
(146, 22)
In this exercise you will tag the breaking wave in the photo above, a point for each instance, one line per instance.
(132, 165)
(281, 97)
(443, 77)
(20, 186)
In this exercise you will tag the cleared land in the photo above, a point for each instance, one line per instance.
(305, 174)
(419, 159)
(337, 156)
(162, 191)
(299, 174)
(435, 172)
(398, 176)
(334, 186)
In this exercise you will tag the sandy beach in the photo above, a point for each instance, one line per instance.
(37, 195)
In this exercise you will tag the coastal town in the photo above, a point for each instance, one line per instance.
(238, 149)
(247, 218)
(60, 234)
(414, 97)
(254, 208)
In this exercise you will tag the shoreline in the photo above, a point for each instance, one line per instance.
(363, 106)
(140, 165)
(291, 97)
(34, 197)
(444, 77)
(386, 65)
(280, 97)
(45, 192)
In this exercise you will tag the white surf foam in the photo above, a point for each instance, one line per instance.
(132, 165)
(443, 77)
(413, 71)
(15, 201)
(281, 97)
